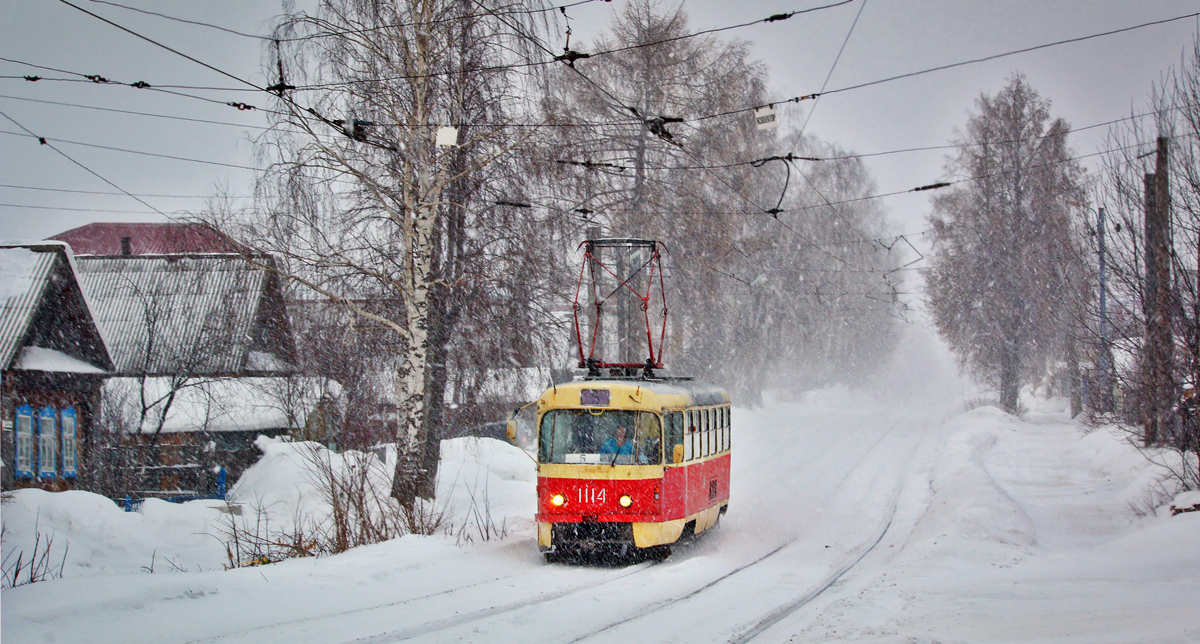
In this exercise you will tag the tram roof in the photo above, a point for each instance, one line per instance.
(664, 394)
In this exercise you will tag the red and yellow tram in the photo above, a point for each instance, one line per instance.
(630, 463)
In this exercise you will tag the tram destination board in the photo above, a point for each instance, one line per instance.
(594, 397)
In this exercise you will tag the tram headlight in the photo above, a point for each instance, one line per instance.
(558, 500)
(626, 501)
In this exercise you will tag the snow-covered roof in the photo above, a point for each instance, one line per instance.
(38, 281)
(220, 405)
(191, 314)
(42, 359)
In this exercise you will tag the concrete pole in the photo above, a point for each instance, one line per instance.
(1158, 387)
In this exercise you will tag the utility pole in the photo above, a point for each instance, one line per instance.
(1158, 387)
(1106, 397)
(594, 299)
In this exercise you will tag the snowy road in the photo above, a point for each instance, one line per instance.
(813, 495)
(889, 516)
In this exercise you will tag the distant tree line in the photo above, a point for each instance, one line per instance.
(1015, 283)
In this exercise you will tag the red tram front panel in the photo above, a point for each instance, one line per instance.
(682, 491)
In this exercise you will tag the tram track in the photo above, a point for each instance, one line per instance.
(758, 627)
(752, 630)
(397, 636)
(458, 621)
(748, 631)
(484, 613)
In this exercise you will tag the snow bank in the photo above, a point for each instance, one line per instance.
(99, 537)
(483, 472)
(971, 517)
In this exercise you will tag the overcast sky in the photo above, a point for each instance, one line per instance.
(1088, 82)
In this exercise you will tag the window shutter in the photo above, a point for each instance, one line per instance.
(47, 443)
(24, 438)
(69, 458)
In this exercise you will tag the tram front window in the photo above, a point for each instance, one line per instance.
(612, 437)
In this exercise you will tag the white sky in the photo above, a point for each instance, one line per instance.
(1089, 82)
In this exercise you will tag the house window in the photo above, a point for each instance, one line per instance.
(24, 438)
(47, 443)
(68, 443)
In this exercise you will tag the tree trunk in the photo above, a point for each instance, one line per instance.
(412, 476)
(1010, 381)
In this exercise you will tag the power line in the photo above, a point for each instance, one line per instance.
(570, 56)
(158, 44)
(135, 113)
(845, 157)
(813, 96)
(120, 212)
(348, 32)
(832, 67)
(102, 192)
(100, 79)
(46, 143)
(930, 70)
(128, 151)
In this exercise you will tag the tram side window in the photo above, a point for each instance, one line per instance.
(725, 427)
(691, 434)
(729, 422)
(720, 429)
(712, 432)
(674, 434)
(707, 432)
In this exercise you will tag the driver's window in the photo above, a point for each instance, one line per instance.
(649, 439)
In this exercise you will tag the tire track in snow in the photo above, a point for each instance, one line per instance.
(212, 639)
(821, 587)
(555, 594)
(460, 620)
(776, 615)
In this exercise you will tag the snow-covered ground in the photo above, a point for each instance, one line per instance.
(884, 513)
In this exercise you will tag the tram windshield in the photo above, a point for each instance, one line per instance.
(600, 436)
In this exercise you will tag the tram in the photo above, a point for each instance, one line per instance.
(630, 466)
(629, 462)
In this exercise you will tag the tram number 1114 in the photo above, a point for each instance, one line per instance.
(590, 495)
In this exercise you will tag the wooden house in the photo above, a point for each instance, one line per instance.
(53, 360)
(203, 352)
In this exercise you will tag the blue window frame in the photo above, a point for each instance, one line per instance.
(24, 440)
(69, 453)
(47, 443)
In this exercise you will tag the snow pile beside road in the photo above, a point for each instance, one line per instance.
(1024, 533)
(970, 516)
(97, 536)
(481, 473)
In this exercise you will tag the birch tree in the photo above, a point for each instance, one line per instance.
(355, 195)
(1006, 286)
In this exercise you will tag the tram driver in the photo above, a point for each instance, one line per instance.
(617, 444)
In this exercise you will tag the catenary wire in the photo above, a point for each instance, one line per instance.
(930, 70)
(341, 33)
(46, 143)
(128, 151)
